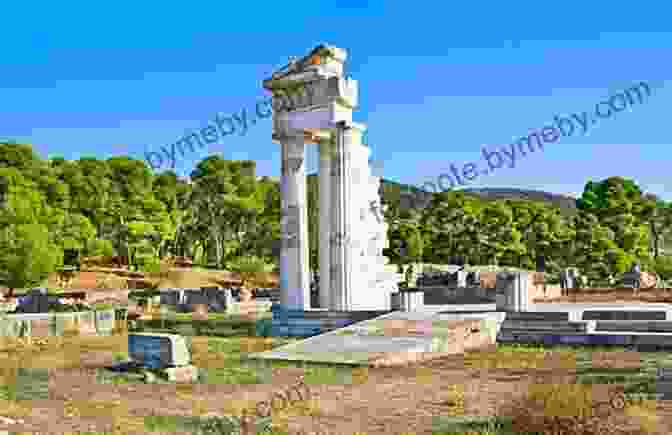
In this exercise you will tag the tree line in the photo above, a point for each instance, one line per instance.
(118, 207)
(614, 225)
(225, 216)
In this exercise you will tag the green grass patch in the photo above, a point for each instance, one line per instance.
(235, 366)
(637, 381)
(222, 327)
(461, 425)
(204, 425)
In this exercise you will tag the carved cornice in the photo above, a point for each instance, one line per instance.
(316, 64)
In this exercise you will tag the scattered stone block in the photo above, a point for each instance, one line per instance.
(40, 327)
(200, 312)
(632, 280)
(188, 373)
(170, 297)
(158, 351)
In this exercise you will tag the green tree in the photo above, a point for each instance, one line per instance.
(501, 237)
(451, 222)
(657, 214)
(30, 256)
(98, 247)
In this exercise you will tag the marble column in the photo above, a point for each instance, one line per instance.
(326, 156)
(294, 275)
(342, 206)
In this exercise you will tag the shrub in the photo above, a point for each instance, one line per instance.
(30, 258)
(98, 247)
(662, 266)
(251, 270)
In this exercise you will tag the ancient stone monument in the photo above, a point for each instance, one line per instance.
(351, 226)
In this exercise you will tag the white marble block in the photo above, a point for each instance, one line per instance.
(157, 351)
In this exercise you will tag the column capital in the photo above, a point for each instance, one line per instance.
(352, 125)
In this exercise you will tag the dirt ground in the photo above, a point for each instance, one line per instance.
(616, 295)
(378, 401)
(120, 278)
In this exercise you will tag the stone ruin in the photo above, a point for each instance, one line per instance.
(352, 230)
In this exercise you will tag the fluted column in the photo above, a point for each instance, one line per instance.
(294, 276)
(342, 204)
(326, 156)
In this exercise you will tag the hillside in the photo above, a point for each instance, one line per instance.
(565, 202)
(410, 195)
(495, 193)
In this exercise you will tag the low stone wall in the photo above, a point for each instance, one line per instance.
(537, 290)
(59, 324)
(216, 300)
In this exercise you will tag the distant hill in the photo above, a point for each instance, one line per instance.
(564, 202)
(495, 193)
(390, 189)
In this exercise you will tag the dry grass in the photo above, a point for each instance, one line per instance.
(574, 409)
(115, 411)
(455, 400)
(645, 414)
(110, 282)
(66, 353)
(56, 352)
(15, 410)
(490, 360)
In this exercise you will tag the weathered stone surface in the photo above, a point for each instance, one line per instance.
(200, 312)
(155, 350)
(87, 323)
(648, 280)
(40, 327)
(187, 373)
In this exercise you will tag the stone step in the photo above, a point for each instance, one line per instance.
(306, 327)
(543, 338)
(643, 341)
(624, 315)
(634, 325)
(298, 331)
(356, 316)
(317, 323)
(559, 327)
(315, 319)
(543, 332)
(557, 316)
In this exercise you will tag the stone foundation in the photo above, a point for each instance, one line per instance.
(60, 324)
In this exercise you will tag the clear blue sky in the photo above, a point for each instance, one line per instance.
(437, 80)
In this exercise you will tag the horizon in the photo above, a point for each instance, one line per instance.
(479, 82)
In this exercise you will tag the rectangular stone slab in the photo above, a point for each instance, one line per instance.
(392, 339)
(634, 325)
(583, 327)
(539, 315)
(623, 315)
(156, 350)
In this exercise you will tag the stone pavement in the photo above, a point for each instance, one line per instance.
(394, 338)
(435, 331)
